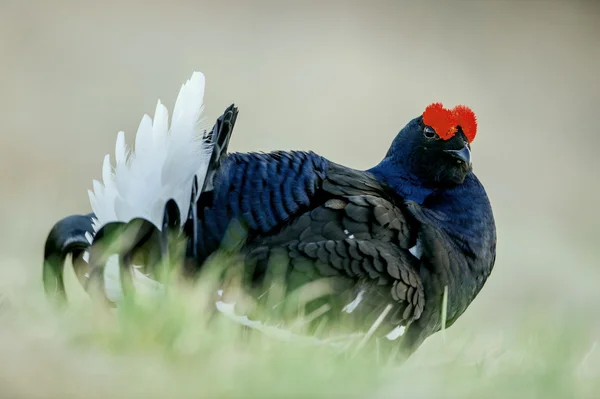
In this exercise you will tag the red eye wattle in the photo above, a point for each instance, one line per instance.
(445, 121)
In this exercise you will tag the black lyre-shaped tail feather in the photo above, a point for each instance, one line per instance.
(170, 227)
(137, 240)
(67, 237)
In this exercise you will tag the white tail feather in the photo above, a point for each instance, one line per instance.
(162, 167)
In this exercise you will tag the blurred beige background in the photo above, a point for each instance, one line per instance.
(338, 78)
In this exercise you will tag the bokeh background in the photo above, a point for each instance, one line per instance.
(338, 78)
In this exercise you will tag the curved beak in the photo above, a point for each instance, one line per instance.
(464, 154)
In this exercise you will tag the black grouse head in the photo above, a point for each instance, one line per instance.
(436, 146)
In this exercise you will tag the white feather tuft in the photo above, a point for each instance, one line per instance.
(162, 167)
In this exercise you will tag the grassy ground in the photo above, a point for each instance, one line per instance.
(168, 348)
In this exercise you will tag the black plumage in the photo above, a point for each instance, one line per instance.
(390, 240)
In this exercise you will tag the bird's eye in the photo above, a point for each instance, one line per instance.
(429, 132)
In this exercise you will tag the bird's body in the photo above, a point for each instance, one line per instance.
(323, 220)
(385, 244)
(334, 221)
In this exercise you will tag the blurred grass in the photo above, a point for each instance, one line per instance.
(171, 347)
